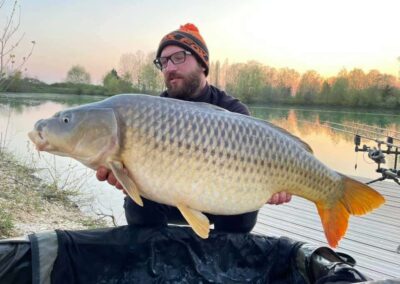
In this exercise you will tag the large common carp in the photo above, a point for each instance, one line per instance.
(201, 158)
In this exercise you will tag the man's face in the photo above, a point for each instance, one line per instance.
(182, 80)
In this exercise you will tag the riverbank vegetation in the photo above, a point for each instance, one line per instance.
(28, 204)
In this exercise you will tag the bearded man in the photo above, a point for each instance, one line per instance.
(183, 58)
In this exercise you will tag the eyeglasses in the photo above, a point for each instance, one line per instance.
(176, 58)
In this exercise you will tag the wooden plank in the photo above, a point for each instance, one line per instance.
(386, 249)
(373, 239)
(385, 187)
(370, 265)
(384, 214)
(360, 225)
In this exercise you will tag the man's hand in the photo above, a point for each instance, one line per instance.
(103, 174)
(279, 198)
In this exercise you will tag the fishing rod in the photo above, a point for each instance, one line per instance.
(359, 130)
(373, 139)
(376, 153)
(378, 128)
(352, 127)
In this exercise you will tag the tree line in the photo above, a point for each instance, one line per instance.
(252, 82)
(136, 74)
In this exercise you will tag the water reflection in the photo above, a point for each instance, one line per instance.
(21, 100)
(331, 133)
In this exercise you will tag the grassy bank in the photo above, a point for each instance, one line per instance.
(28, 205)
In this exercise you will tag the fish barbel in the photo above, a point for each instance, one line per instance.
(201, 158)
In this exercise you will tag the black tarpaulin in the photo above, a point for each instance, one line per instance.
(168, 255)
(172, 255)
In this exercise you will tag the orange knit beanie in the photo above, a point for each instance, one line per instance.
(189, 38)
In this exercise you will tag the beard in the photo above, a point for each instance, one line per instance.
(189, 85)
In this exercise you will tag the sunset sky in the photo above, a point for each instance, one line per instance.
(325, 36)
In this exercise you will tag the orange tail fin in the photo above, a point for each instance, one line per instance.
(357, 199)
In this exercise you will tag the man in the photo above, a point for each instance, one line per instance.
(182, 56)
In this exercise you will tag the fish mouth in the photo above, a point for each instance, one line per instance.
(37, 138)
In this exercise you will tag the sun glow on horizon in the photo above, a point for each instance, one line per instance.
(325, 36)
(331, 37)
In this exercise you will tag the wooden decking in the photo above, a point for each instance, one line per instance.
(373, 239)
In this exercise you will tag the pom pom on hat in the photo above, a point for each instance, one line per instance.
(189, 27)
(189, 38)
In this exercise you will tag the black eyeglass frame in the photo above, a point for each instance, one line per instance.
(158, 64)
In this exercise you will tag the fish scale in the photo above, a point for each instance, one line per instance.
(201, 159)
(207, 135)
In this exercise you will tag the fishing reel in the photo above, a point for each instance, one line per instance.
(377, 154)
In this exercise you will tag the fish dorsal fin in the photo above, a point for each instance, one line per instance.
(127, 183)
(197, 220)
(303, 144)
(300, 142)
(280, 129)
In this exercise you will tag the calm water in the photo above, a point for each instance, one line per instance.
(332, 142)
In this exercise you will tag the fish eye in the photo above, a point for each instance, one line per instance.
(65, 119)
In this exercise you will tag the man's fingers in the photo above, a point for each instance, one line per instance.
(118, 185)
(288, 197)
(282, 197)
(102, 174)
(279, 198)
(111, 179)
(274, 199)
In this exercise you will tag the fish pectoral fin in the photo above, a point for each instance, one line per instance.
(197, 220)
(127, 183)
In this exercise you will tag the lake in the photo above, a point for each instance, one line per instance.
(328, 131)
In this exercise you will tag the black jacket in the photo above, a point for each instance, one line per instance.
(215, 96)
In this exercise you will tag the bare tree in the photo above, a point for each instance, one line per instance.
(10, 39)
(130, 66)
(78, 75)
(150, 78)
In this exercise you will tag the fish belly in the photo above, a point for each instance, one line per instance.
(204, 186)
